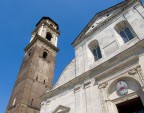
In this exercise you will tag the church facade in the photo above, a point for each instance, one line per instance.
(107, 73)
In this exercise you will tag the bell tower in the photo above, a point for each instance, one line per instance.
(37, 69)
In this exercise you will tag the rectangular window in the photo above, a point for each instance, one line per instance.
(123, 35)
(126, 34)
(129, 34)
(97, 53)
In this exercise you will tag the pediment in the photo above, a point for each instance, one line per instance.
(61, 109)
(100, 18)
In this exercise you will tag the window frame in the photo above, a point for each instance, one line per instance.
(97, 55)
(96, 52)
(125, 31)
(48, 54)
(48, 36)
(45, 55)
(126, 36)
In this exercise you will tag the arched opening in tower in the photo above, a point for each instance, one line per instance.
(48, 36)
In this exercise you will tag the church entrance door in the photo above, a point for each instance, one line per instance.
(131, 106)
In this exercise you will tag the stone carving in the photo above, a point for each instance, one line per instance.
(132, 72)
(139, 70)
(103, 85)
(136, 70)
(122, 88)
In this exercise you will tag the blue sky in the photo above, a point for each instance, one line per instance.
(18, 19)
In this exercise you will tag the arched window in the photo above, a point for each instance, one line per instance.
(95, 49)
(44, 55)
(125, 31)
(48, 36)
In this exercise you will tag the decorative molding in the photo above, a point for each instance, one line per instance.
(103, 85)
(138, 71)
(128, 62)
(132, 72)
(125, 98)
(86, 85)
(135, 70)
(42, 40)
(123, 77)
(119, 67)
(77, 79)
(44, 22)
(77, 89)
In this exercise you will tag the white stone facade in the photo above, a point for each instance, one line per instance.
(88, 85)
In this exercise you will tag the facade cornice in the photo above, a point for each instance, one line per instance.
(83, 36)
(37, 37)
(101, 70)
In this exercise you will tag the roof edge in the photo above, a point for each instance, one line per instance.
(93, 19)
(45, 17)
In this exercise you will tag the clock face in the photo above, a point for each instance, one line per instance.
(122, 88)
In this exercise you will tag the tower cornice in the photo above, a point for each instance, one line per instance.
(43, 21)
(45, 18)
(43, 40)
